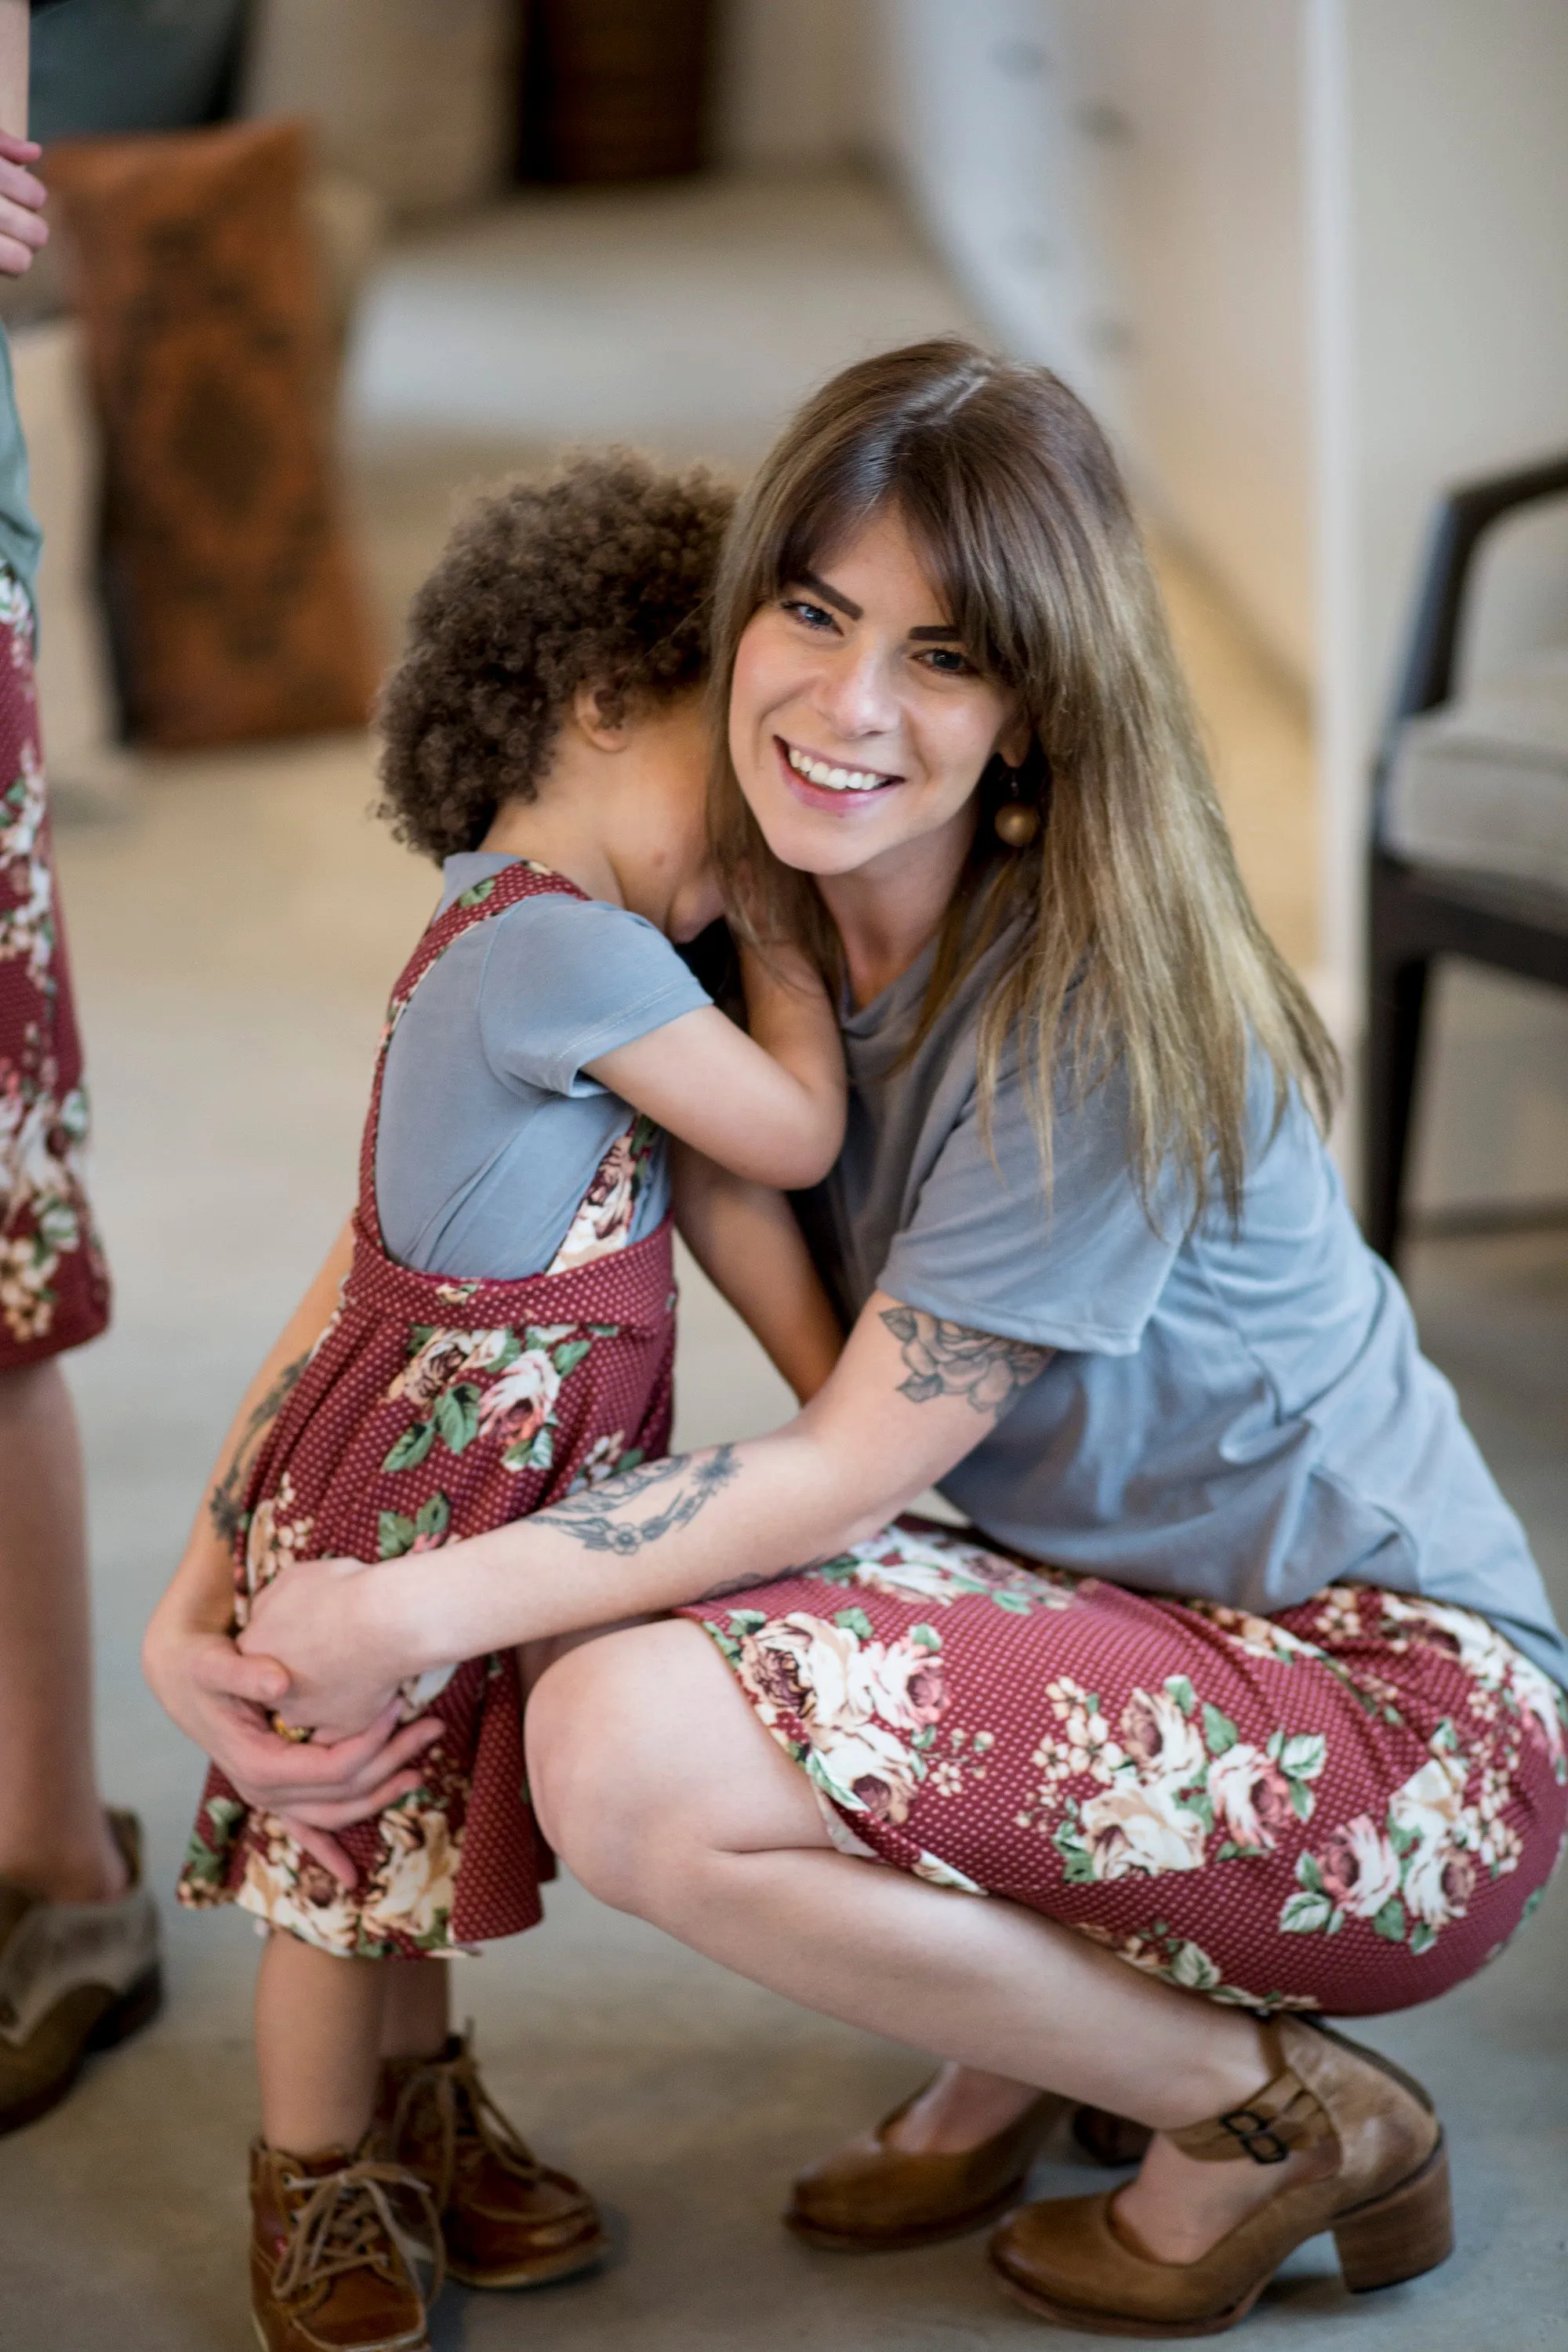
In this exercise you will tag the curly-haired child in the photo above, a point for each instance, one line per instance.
(494, 1329)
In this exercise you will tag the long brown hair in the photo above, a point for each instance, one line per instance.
(1138, 946)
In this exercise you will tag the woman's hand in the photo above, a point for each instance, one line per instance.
(224, 1701)
(313, 1617)
(23, 228)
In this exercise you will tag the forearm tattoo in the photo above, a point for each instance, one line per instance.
(947, 1360)
(225, 1509)
(593, 1518)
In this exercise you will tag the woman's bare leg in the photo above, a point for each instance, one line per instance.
(656, 1784)
(53, 1839)
(961, 2106)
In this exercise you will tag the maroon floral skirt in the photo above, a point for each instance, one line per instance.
(54, 1284)
(1349, 1807)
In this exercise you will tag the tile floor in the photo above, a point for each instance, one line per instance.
(234, 938)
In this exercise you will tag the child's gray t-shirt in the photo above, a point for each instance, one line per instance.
(489, 1133)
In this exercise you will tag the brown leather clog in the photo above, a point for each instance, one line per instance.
(1383, 2190)
(868, 2197)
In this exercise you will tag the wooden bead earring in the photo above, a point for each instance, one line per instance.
(1018, 821)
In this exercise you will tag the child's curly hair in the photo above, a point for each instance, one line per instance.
(598, 575)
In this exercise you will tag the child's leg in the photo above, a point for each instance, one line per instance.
(318, 2045)
(415, 2017)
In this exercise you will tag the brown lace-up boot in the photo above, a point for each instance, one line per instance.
(1379, 2182)
(333, 2242)
(507, 2220)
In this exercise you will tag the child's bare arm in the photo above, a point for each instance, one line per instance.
(203, 1586)
(768, 1105)
(746, 1239)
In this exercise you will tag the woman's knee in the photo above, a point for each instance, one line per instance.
(601, 1773)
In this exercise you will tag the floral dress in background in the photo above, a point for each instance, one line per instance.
(54, 1284)
(433, 1410)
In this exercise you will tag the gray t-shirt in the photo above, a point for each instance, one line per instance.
(1241, 1418)
(489, 1133)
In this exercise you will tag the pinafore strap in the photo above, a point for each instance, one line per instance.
(489, 896)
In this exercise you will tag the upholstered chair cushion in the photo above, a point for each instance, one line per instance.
(1482, 784)
(197, 281)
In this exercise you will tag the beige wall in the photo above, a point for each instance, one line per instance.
(1119, 182)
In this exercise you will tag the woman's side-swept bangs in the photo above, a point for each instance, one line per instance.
(1138, 949)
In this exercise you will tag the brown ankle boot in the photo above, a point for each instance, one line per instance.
(507, 2220)
(333, 2239)
(1383, 2190)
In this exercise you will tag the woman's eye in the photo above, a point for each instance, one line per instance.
(948, 662)
(814, 616)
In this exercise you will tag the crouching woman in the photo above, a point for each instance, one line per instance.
(1239, 1703)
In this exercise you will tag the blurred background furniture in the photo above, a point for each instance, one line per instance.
(235, 610)
(413, 100)
(218, 545)
(1469, 853)
(615, 90)
(78, 708)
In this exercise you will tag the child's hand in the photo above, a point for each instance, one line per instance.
(23, 228)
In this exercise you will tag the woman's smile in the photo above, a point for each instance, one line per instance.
(818, 780)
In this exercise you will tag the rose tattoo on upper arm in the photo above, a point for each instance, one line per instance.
(948, 1359)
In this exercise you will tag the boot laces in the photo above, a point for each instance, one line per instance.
(467, 2121)
(345, 2224)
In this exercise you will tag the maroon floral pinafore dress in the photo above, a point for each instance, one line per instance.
(433, 1410)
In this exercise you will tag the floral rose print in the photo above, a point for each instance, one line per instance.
(1161, 1952)
(41, 1148)
(859, 1714)
(489, 1383)
(53, 1284)
(433, 1408)
(412, 1892)
(607, 1211)
(1415, 1872)
(27, 920)
(1410, 1875)
(605, 1458)
(1290, 1821)
(945, 1570)
(1181, 1786)
(277, 1534)
(1252, 1798)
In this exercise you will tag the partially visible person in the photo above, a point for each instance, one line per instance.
(78, 1932)
(494, 1332)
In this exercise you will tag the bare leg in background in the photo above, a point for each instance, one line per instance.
(53, 1839)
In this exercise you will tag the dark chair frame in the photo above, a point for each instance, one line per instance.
(1416, 913)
